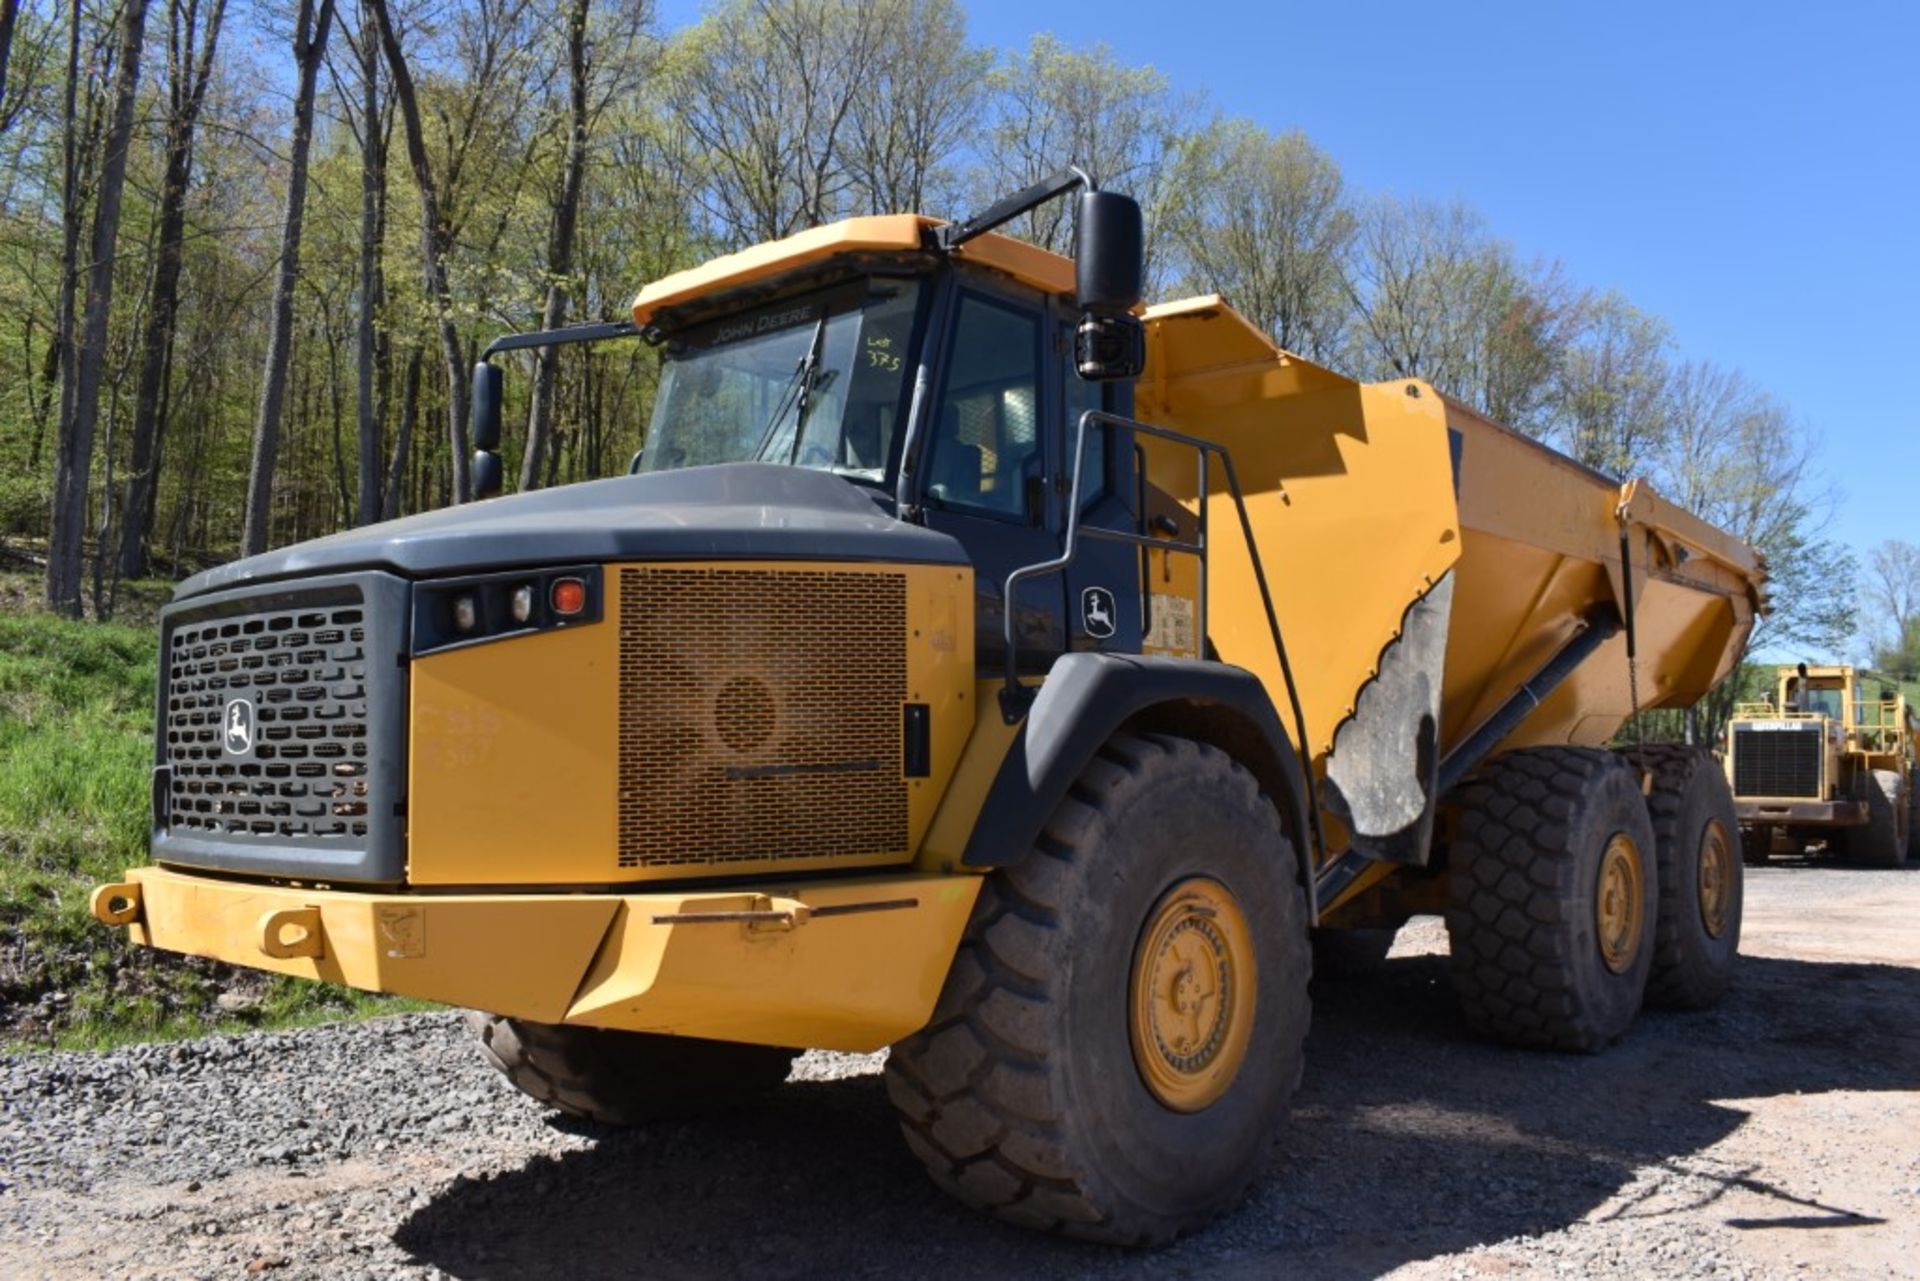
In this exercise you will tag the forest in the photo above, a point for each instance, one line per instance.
(249, 251)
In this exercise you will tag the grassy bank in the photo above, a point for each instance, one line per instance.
(76, 744)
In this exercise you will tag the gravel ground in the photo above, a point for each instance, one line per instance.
(1772, 1137)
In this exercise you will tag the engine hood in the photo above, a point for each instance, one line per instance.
(737, 511)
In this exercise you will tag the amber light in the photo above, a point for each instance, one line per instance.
(568, 597)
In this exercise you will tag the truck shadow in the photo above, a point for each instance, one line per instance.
(1411, 1138)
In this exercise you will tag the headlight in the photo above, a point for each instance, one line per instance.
(474, 610)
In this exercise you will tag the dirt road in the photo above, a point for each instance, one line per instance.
(1777, 1136)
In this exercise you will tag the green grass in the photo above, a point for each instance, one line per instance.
(76, 745)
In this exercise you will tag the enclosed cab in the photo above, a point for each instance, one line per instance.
(1827, 758)
(977, 663)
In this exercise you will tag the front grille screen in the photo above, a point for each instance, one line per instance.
(760, 715)
(1777, 762)
(266, 726)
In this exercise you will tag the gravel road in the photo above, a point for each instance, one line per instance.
(1776, 1136)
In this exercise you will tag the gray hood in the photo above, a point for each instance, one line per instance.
(735, 511)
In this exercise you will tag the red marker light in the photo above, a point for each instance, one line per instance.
(568, 596)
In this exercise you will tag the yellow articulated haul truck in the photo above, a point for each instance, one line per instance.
(1820, 760)
(977, 664)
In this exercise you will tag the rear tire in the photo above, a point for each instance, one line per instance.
(1554, 898)
(626, 1078)
(1032, 1094)
(1756, 845)
(1883, 841)
(1694, 831)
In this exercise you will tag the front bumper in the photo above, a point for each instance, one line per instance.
(1801, 813)
(843, 965)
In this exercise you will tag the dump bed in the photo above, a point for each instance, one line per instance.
(1408, 540)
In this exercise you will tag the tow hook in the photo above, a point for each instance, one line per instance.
(306, 939)
(116, 904)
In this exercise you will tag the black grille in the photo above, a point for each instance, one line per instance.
(282, 730)
(1779, 762)
(266, 725)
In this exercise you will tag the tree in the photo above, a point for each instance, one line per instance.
(1261, 220)
(1890, 599)
(309, 47)
(189, 69)
(566, 214)
(767, 90)
(911, 112)
(492, 47)
(1053, 105)
(1610, 400)
(82, 408)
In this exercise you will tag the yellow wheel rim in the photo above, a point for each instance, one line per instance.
(1716, 878)
(1618, 906)
(1190, 1012)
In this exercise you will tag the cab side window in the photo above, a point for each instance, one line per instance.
(986, 441)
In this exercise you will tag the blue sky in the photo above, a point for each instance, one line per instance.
(1749, 172)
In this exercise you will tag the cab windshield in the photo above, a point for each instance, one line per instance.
(813, 381)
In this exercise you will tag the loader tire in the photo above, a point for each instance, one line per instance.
(1554, 897)
(1120, 1033)
(1883, 841)
(1913, 816)
(626, 1078)
(1756, 845)
(1695, 829)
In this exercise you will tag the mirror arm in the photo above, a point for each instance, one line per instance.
(954, 234)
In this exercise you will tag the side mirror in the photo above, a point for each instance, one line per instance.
(1108, 272)
(485, 411)
(1109, 260)
(486, 473)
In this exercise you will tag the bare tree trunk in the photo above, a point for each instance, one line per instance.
(403, 435)
(566, 213)
(188, 73)
(373, 186)
(309, 45)
(9, 11)
(75, 460)
(434, 241)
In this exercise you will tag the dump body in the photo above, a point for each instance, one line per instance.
(1369, 500)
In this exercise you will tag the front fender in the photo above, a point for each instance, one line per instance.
(1088, 698)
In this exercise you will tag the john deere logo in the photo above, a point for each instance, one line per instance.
(1096, 612)
(239, 727)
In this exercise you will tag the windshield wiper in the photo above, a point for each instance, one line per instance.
(801, 382)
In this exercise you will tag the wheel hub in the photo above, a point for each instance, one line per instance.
(1716, 878)
(1618, 907)
(1190, 1008)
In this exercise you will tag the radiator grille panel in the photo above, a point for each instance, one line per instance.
(1777, 762)
(760, 715)
(266, 726)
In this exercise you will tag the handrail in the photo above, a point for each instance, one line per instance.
(1015, 697)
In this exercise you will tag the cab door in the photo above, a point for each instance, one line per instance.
(990, 473)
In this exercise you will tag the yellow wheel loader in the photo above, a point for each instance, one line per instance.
(1826, 759)
(976, 663)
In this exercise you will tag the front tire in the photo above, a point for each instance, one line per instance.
(1122, 1028)
(626, 1078)
(1883, 841)
(1553, 888)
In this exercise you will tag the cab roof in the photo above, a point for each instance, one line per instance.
(884, 233)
